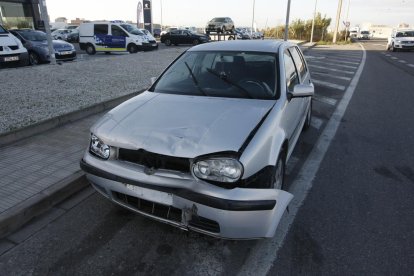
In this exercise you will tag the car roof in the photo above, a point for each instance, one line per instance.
(270, 46)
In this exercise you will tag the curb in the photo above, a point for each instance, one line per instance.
(23, 212)
(37, 128)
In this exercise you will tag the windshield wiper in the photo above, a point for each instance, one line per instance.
(227, 80)
(194, 79)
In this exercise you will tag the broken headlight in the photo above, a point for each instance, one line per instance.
(218, 169)
(99, 148)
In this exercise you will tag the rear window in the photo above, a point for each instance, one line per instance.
(221, 74)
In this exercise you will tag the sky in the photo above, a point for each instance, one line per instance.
(267, 13)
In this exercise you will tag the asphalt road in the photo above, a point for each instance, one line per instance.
(356, 217)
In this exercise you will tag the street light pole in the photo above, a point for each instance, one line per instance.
(338, 15)
(313, 21)
(346, 22)
(254, 1)
(287, 21)
(45, 18)
(161, 15)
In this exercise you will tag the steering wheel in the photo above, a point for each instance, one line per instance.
(257, 89)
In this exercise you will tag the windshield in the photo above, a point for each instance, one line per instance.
(219, 19)
(2, 30)
(221, 74)
(33, 35)
(132, 29)
(406, 34)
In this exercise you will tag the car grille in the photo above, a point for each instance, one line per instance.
(154, 160)
(149, 207)
(166, 212)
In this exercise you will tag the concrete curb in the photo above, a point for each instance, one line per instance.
(25, 132)
(17, 216)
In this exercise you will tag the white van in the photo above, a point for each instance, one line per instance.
(12, 51)
(108, 37)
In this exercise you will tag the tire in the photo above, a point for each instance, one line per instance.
(132, 48)
(167, 42)
(393, 48)
(196, 42)
(278, 176)
(308, 119)
(34, 58)
(90, 50)
(223, 30)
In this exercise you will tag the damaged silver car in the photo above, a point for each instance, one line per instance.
(205, 147)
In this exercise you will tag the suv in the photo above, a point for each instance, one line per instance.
(220, 25)
(12, 51)
(401, 39)
(364, 35)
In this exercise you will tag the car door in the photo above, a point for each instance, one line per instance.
(291, 114)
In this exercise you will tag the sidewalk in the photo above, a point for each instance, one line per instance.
(38, 172)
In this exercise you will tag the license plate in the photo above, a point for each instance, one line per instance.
(154, 44)
(151, 195)
(65, 53)
(14, 58)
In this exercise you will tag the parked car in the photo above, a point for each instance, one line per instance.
(110, 37)
(12, 51)
(183, 37)
(364, 35)
(401, 40)
(36, 44)
(157, 32)
(60, 34)
(241, 33)
(205, 147)
(220, 25)
(73, 36)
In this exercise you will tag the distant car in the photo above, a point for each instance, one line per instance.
(353, 34)
(60, 34)
(183, 37)
(157, 32)
(220, 25)
(169, 30)
(364, 35)
(73, 36)
(401, 40)
(36, 44)
(205, 147)
(241, 34)
(12, 51)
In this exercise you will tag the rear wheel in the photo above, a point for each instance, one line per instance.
(168, 42)
(196, 42)
(223, 30)
(90, 50)
(34, 58)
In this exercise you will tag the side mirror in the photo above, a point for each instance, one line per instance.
(302, 90)
(153, 79)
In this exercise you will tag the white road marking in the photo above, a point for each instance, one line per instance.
(314, 57)
(343, 61)
(330, 76)
(411, 65)
(316, 122)
(264, 254)
(394, 58)
(331, 69)
(329, 84)
(382, 45)
(325, 100)
(338, 64)
(402, 61)
(387, 55)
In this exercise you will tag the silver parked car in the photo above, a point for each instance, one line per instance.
(205, 147)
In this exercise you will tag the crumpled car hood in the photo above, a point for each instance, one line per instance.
(182, 126)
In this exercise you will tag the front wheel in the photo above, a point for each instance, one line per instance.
(308, 120)
(167, 42)
(34, 58)
(132, 49)
(196, 42)
(393, 48)
(279, 173)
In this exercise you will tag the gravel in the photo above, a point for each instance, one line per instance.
(34, 94)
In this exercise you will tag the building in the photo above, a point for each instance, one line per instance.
(20, 14)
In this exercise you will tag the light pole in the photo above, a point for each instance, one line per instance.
(287, 21)
(161, 15)
(346, 22)
(338, 15)
(254, 1)
(313, 21)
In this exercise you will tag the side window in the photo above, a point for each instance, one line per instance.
(116, 31)
(175, 32)
(100, 29)
(292, 77)
(298, 59)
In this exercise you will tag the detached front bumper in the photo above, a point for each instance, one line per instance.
(189, 204)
